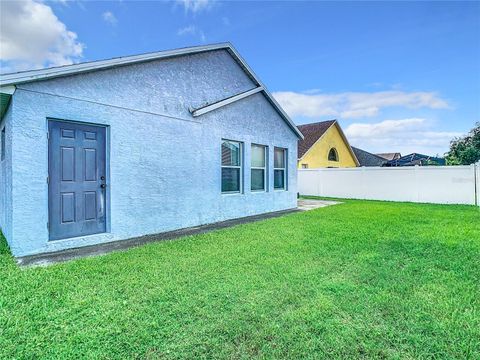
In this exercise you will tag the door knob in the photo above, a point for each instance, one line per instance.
(103, 186)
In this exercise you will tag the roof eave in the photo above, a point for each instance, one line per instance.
(43, 74)
(6, 93)
(342, 134)
(316, 141)
(267, 93)
(36, 75)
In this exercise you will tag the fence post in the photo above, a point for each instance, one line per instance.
(476, 171)
(417, 185)
(363, 183)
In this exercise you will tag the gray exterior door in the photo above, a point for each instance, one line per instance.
(77, 179)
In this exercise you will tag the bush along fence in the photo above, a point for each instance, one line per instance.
(422, 184)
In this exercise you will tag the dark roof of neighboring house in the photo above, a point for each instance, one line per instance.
(390, 156)
(368, 159)
(416, 159)
(311, 133)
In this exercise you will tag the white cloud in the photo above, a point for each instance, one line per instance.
(195, 6)
(354, 104)
(193, 31)
(385, 127)
(31, 36)
(110, 18)
(188, 30)
(405, 136)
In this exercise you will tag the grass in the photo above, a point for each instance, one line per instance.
(357, 280)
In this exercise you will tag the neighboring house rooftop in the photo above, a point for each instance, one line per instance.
(314, 131)
(311, 133)
(368, 159)
(390, 156)
(8, 81)
(416, 159)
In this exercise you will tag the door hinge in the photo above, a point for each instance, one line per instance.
(48, 225)
(48, 134)
(48, 180)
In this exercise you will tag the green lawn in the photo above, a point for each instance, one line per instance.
(361, 279)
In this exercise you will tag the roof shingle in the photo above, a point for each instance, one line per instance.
(368, 159)
(312, 132)
(416, 159)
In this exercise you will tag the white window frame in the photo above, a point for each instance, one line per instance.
(240, 190)
(265, 178)
(284, 188)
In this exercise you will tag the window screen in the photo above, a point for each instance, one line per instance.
(279, 169)
(231, 166)
(258, 167)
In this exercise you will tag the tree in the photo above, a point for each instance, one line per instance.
(465, 150)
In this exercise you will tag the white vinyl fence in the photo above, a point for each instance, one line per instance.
(422, 184)
(477, 175)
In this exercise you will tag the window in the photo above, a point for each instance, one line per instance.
(231, 166)
(304, 166)
(333, 155)
(258, 168)
(2, 140)
(279, 168)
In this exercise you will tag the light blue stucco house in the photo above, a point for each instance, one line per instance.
(109, 150)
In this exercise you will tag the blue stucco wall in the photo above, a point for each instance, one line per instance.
(6, 178)
(164, 164)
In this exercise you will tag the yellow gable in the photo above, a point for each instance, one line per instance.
(318, 155)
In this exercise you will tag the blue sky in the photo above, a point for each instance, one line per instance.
(399, 76)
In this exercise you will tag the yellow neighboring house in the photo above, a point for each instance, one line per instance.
(324, 145)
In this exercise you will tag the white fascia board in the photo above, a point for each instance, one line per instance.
(221, 103)
(8, 89)
(33, 75)
(269, 96)
(342, 134)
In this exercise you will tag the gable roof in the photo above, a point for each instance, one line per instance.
(390, 156)
(368, 159)
(7, 81)
(416, 159)
(314, 131)
(311, 133)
